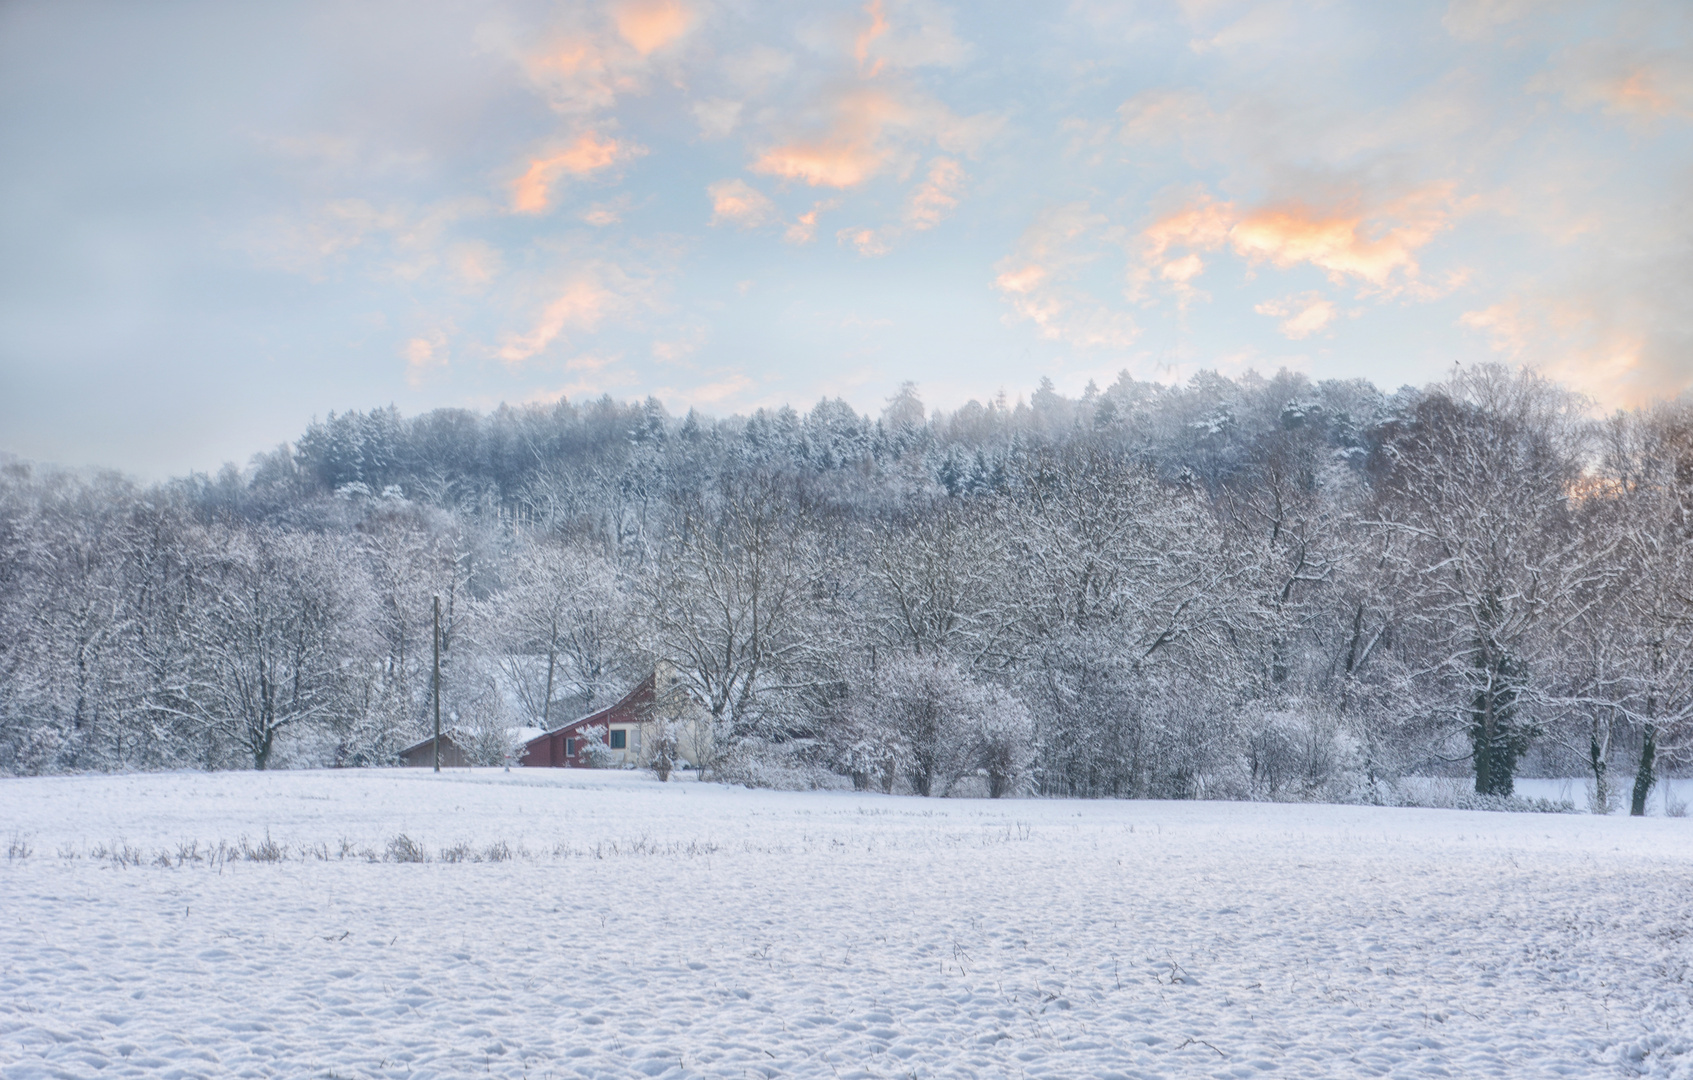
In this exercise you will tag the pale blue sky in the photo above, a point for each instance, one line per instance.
(219, 220)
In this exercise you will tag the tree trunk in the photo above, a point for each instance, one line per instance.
(1601, 782)
(547, 702)
(1644, 776)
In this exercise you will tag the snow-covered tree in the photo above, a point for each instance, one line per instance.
(560, 628)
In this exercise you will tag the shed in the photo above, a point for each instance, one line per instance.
(421, 755)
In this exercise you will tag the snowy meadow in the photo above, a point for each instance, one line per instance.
(562, 923)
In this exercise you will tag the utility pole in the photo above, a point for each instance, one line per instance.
(436, 685)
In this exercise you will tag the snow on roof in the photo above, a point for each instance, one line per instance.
(638, 699)
(522, 734)
(446, 737)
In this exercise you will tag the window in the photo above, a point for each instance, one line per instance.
(569, 747)
(619, 740)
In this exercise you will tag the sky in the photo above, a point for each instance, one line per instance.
(218, 221)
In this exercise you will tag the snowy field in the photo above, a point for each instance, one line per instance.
(603, 925)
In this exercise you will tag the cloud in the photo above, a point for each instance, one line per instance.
(717, 117)
(325, 234)
(425, 353)
(677, 349)
(804, 227)
(1163, 115)
(476, 263)
(579, 305)
(397, 242)
(937, 196)
(1040, 280)
(1301, 315)
(728, 384)
(736, 202)
(867, 37)
(871, 130)
(574, 75)
(587, 155)
(1204, 224)
(1613, 342)
(849, 152)
(1509, 332)
(914, 34)
(756, 69)
(875, 123)
(650, 25)
(1262, 25)
(869, 242)
(1640, 85)
(927, 206)
(1372, 246)
(604, 214)
(588, 57)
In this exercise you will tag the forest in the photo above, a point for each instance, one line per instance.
(1252, 588)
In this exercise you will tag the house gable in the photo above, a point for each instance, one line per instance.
(563, 746)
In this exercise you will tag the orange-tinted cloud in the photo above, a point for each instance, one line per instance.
(1039, 280)
(840, 164)
(650, 25)
(1182, 270)
(728, 385)
(574, 74)
(602, 215)
(804, 227)
(937, 196)
(424, 354)
(678, 349)
(1374, 245)
(1301, 316)
(849, 153)
(1204, 224)
(867, 37)
(921, 35)
(869, 242)
(530, 192)
(1604, 341)
(736, 202)
(868, 130)
(1642, 87)
(580, 305)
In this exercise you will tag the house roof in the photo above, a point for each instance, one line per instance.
(632, 707)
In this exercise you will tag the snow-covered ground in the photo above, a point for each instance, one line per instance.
(644, 930)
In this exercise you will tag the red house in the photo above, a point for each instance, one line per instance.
(623, 720)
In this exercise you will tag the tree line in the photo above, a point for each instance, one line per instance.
(1235, 588)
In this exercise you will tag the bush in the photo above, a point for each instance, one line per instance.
(784, 766)
(403, 848)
